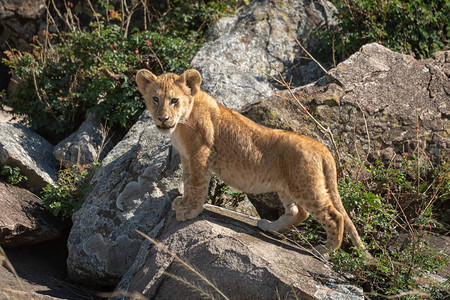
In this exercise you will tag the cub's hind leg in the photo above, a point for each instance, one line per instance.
(333, 222)
(315, 198)
(293, 215)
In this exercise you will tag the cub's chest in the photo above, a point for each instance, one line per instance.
(179, 144)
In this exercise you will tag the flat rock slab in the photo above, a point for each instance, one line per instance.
(23, 220)
(239, 259)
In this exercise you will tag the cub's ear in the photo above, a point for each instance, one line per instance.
(144, 78)
(193, 79)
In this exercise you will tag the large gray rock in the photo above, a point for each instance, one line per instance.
(23, 220)
(381, 103)
(403, 100)
(30, 152)
(240, 260)
(90, 143)
(133, 189)
(256, 40)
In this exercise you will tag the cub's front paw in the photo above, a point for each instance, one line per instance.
(187, 213)
(264, 225)
(177, 202)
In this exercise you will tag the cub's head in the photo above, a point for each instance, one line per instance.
(169, 97)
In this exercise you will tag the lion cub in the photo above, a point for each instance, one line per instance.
(250, 157)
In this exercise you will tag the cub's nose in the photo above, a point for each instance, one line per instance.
(163, 118)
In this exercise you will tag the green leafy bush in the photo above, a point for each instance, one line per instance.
(418, 27)
(91, 70)
(416, 185)
(398, 239)
(66, 196)
(59, 85)
(11, 174)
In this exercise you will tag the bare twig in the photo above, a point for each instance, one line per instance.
(107, 11)
(327, 74)
(130, 13)
(50, 19)
(94, 13)
(110, 74)
(69, 17)
(61, 16)
(123, 11)
(157, 59)
(106, 138)
(411, 229)
(306, 51)
(418, 146)
(313, 251)
(43, 101)
(333, 49)
(145, 12)
(434, 197)
(367, 129)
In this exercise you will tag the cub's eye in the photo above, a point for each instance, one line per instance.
(174, 101)
(155, 99)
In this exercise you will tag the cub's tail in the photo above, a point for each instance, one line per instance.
(329, 169)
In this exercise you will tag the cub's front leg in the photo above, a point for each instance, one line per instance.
(195, 180)
(186, 174)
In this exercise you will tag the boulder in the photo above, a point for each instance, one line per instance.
(90, 143)
(378, 105)
(257, 40)
(23, 220)
(132, 189)
(30, 152)
(405, 102)
(240, 260)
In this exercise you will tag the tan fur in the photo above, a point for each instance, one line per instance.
(250, 157)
